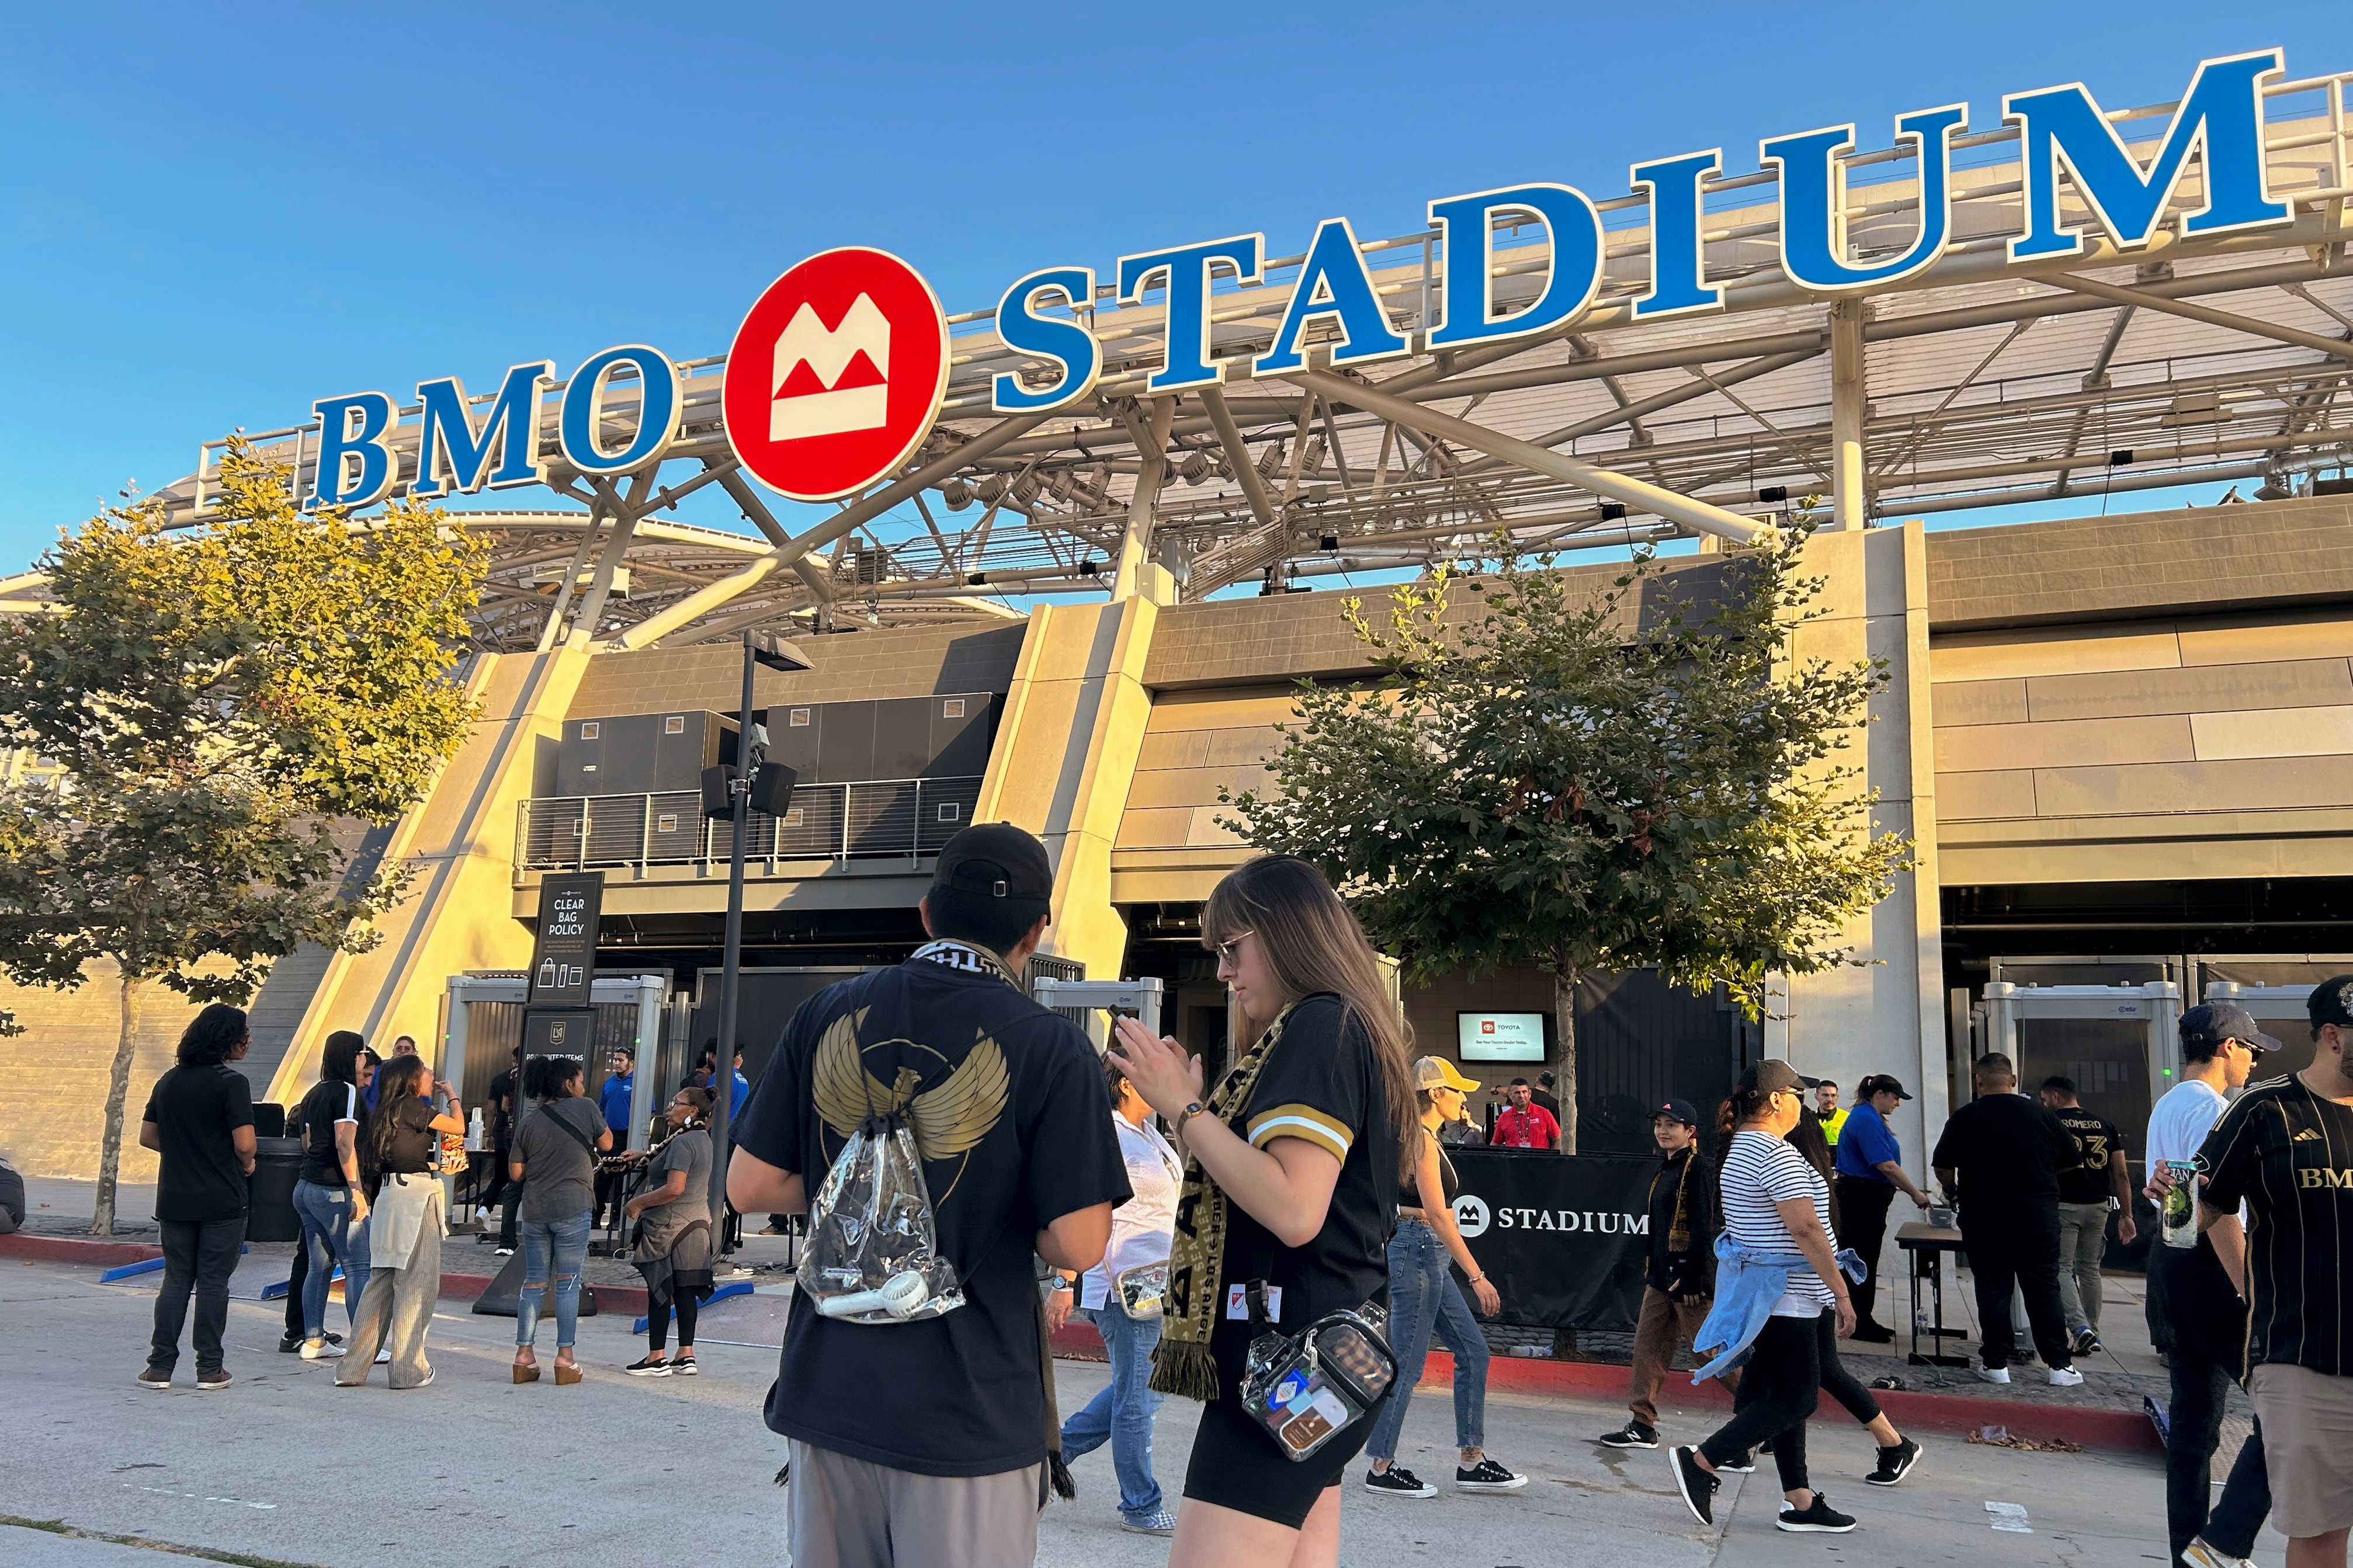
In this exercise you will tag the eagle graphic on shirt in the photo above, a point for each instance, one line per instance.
(948, 1119)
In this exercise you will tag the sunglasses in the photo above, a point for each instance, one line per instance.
(1227, 949)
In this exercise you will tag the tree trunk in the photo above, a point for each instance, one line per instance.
(1564, 1010)
(118, 1091)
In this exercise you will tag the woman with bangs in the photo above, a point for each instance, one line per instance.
(406, 1220)
(1292, 1167)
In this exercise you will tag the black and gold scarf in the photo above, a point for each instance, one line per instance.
(1183, 1364)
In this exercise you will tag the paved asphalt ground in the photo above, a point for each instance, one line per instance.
(475, 1472)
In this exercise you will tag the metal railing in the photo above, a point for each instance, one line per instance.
(905, 818)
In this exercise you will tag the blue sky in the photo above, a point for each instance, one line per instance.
(215, 214)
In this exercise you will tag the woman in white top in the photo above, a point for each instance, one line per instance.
(1122, 1413)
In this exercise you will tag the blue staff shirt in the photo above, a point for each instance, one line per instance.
(613, 1101)
(1864, 1142)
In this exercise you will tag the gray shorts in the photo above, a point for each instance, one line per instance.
(842, 1512)
(2308, 1423)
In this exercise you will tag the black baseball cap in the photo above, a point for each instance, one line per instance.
(2216, 1022)
(1882, 1083)
(996, 860)
(2331, 1002)
(1681, 1109)
(1777, 1075)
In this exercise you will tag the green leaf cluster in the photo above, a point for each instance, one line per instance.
(1545, 771)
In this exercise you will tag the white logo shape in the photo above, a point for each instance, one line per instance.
(807, 340)
(1471, 1215)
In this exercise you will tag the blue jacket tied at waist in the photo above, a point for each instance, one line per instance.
(1747, 1283)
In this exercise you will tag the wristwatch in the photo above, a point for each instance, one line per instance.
(1186, 1115)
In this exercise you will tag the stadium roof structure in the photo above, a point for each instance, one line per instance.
(1977, 381)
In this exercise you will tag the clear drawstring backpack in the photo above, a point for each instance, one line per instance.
(874, 1245)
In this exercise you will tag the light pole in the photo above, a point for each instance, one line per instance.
(743, 781)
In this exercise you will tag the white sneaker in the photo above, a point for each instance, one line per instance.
(1991, 1373)
(384, 1358)
(319, 1350)
(2065, 1377)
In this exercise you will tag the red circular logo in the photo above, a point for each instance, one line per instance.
(837, 372)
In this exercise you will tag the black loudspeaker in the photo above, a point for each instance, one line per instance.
(715, 801)
(772, 788)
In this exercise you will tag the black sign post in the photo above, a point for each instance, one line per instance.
(559, 1019)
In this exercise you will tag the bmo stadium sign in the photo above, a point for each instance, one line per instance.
(839, 368)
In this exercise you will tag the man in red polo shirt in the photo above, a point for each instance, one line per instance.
(1522, 1124)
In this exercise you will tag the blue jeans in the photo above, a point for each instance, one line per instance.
(1122, 1413)
(1423, 1298)
(326, 1216)
(567, 1239)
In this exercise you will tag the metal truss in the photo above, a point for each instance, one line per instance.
(1974, 383)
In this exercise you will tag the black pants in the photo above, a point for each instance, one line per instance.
(1836, 1380)
(2201, 1366)
(1862, 1224)
(199, 1257)
(1780, 1385)
(507, 1213)
(295, 1277)
(2020, 1251)
(658, 1314)
(609, 1185)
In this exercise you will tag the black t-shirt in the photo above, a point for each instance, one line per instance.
(2008, 1151)
(2096, 1139)
(1321, 1083)
(1021, 1092)
(414, 1141)
(195, 1111)
(503, 1089)
(2287, 1154)
(328, 1103)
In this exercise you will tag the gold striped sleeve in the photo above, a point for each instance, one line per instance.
(1301, 1121)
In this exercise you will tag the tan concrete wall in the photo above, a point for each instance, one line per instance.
(2136, 749)
(1066, 750)
(53, 1076)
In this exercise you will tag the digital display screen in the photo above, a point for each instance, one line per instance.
(1500, 1037)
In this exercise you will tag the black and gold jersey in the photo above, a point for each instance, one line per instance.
(2287, 1154)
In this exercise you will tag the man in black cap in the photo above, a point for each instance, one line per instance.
(1679, 1278)
(2196, 1313)
(930, 1443)
(1870, 1173)
(2285, 1150)
(2002, 1154)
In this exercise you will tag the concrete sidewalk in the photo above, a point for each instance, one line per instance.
(475, 1472)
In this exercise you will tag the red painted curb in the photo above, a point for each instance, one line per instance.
(2126, 1431)
(96, 1253)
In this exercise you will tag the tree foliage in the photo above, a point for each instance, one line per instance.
(1541, 775)
(217, 697)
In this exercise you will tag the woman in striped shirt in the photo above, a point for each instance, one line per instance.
(1777, 1210)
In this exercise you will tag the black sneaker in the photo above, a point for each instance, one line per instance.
(1745, 1465)
(1398, 1482)
(1633, 1435)
(682, 1366)
(1697, 1487)
(2086, 1342)
(1818, 1519)
(1894, 1464)
(1486, 1475)
(647, 1366)
(289, 1343)
(1873, 1334)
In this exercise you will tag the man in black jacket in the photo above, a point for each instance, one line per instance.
(1679, 1280)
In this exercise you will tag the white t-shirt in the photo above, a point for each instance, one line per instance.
(2182, 1118)
(1760, 1171)
(1140, 1227)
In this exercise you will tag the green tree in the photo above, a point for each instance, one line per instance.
(218, 697)
(1544, 775)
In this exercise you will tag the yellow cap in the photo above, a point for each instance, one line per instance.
(1437, 1072)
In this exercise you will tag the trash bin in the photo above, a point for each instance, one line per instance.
(270, 1193)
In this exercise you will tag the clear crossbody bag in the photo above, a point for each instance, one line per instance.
(1142, 1290)
(1307, 1388)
